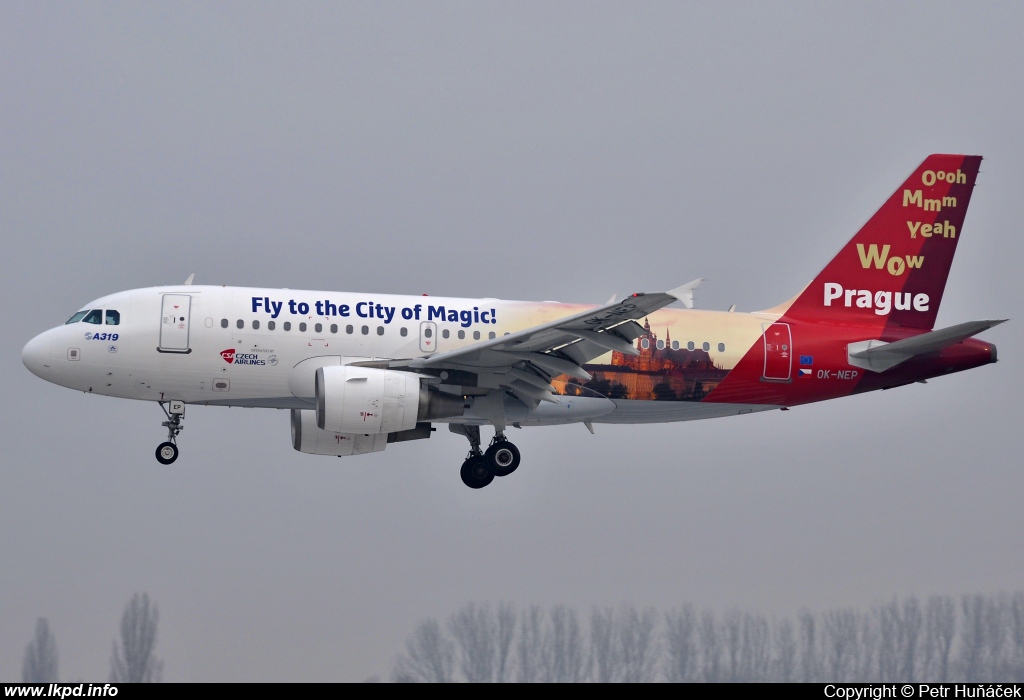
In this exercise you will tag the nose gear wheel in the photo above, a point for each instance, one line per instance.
(167, 452)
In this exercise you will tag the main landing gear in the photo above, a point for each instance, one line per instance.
(480, 468)
(167, 452)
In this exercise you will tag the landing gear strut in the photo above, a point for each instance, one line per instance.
(480, 468)
(167, 452)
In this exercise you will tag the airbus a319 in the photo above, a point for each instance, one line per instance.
(360, 371)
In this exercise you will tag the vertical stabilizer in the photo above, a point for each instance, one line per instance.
(893, 271)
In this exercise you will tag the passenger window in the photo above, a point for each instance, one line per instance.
(476, 335)
(94, 316)
(271, 325)
(721, 347)
(462, 335)
(302, 327)
(318, 327)
(490, 335)
(689, 346)
(428, 333)
(287, 325)
(349, 329)
(445, 333)
(239, 323)
(706, 346)
(404, 332)
(76, 318)
(366, 330)
(661, 344)
(113, 318)
(380, 330)
(255, 325)
(334, 328)
(645, 343)
(223, 323)
(675, 344)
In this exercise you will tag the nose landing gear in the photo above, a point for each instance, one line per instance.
(480, 468)
(167, 452)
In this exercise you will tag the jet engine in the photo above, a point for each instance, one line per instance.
(371, 401)
(308, 438)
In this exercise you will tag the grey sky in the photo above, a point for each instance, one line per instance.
(525, 151)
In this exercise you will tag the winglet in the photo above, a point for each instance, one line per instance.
(188, 282)
(685, 293)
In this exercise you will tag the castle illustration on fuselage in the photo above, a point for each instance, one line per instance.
(663, 371)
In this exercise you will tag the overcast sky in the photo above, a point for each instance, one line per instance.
(517, 150)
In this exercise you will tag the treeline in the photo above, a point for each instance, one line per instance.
(133, 659)
(975, 638)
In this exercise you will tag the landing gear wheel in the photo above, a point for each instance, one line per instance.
(503, 458)
(166, 453)
(476, 472)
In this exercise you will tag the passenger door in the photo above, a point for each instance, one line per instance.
(174, 323)
(778, 352)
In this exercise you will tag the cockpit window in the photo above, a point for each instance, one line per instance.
(113, 317)
(76, 318)
(94, 316)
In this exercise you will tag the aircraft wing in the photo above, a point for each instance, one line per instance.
(557, 347)
(878, 356)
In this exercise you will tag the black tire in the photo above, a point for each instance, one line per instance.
(503, 458)
(476, 473)
(166, 452)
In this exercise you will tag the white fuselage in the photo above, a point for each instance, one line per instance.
(236, 346)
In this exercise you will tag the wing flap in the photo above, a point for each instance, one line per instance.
(576, 339)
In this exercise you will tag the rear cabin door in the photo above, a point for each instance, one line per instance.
(174, 319)
(778, 352)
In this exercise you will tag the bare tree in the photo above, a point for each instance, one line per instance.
(982, 638)
(40, 664)
(1016, 620)
(604, 648)
(785, 662)
(564, 657)
(530, 651)
(429, 656)
(133, 660)
(711, 648)
(756, 651)
(940, 630)
(840, 636)
(505, 630)
(867, 665)
(473, 628)
(810, 659)
(911, 622)
(681, 646)
(639, 644)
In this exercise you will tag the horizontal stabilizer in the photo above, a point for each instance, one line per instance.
(878, 356)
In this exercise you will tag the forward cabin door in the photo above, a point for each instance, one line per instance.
(778, 352)
(174, 320)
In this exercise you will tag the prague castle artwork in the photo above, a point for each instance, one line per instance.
(663, 371)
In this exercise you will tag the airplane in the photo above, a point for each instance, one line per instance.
(360, 371)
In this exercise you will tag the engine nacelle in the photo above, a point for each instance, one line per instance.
(308, 438)
(367, 400)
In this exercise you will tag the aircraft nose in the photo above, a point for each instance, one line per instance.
(36, 356)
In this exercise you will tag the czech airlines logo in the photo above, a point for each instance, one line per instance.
(232, 357)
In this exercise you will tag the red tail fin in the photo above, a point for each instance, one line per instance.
(893, 271)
